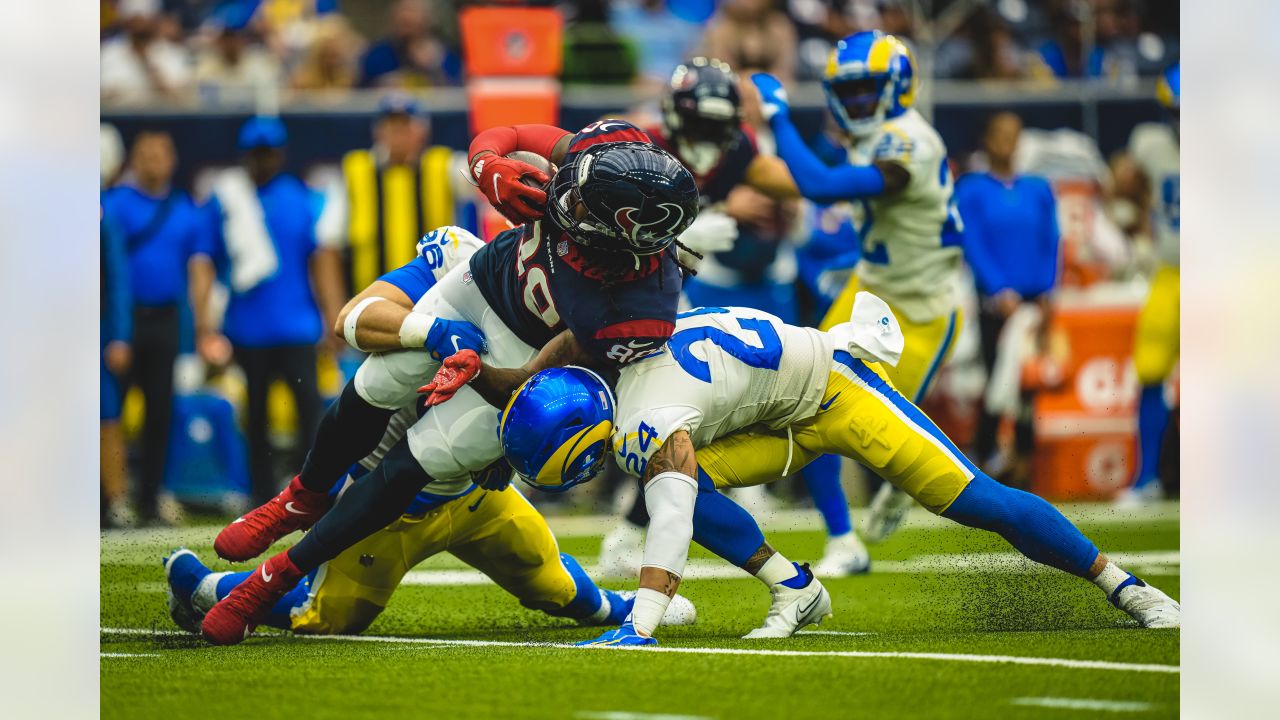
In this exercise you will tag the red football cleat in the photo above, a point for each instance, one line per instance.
(248, 536)
(235, 616)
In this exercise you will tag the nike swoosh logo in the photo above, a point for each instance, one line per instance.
(472, 507)
(237, 520)
(495, 184)
(266, 577)
(290, 508)
(805, 610)
(454, 338)
(827, 404)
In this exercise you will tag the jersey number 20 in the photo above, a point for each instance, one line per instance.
(765, 356)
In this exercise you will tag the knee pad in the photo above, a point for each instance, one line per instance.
(390, 380)
(456, 439)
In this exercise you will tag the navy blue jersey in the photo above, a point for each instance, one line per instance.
(540, 283)
(730, 172)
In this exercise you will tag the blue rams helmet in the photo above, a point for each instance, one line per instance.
(623, 196)
(555, 429)
(870, 77)
(1169, 87)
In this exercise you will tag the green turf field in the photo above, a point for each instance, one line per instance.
(948, 624)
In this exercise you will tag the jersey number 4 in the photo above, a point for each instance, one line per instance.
(766, 356)
(537, 289)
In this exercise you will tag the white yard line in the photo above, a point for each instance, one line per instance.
(127, 655)
(1083, 704)
(624, 715)
(877, 655)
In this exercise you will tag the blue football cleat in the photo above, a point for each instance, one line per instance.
(619, 637)
(183, 572)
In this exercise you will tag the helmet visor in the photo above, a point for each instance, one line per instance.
(860, 98)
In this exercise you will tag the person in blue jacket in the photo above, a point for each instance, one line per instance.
(116, 332)
(262, 224)
(1011, 242)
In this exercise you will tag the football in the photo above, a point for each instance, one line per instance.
(535, 160)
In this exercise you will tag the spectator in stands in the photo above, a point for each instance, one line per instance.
(595, 51)
(330, 63)
(169, 256)
(984, 49)
(1011, 243)
(234, 67)
(411, 55)
(262, 222)
(752, 36)
(661, 39)
(137, 65)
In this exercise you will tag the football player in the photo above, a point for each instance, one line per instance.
(899, 181)
(741, 398)
(1154, 147)
(595, 256)
(702, 125)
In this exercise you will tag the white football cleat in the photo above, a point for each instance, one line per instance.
(621, 552)
(680, 611)
(793, 609)
(1149, 606)
(887, 510)
(1132, 498)
(844, 555)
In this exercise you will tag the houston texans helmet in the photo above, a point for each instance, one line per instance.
(702, 112)
(623, 196)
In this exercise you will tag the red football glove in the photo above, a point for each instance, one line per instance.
(500, 179)
(456, 371)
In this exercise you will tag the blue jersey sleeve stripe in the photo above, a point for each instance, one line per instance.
(414, 278)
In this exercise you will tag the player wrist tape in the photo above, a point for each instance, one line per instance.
(414, 329)
(353, 319)
(648, 609)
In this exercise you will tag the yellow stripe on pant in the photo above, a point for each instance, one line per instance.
(1157, 342)
(872, 425)
(928, 344)
(498, 533)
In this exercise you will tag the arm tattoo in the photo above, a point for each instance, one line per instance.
(758, 559)
(672, 582)
(677, 455)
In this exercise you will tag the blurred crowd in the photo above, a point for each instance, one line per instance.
(229, 51)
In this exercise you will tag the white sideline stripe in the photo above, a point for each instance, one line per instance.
(951, 657)
(833, 632)
(126, 655)
(1083, 704)
(624, 715)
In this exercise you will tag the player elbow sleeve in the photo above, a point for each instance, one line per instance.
(670, 498)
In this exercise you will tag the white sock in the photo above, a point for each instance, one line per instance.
(598, 616)
(206, 594)
(775, 570)
(1110, 578)
(647, 612)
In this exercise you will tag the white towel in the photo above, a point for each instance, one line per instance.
(244, 229)
(1016, 344)
(872, 333)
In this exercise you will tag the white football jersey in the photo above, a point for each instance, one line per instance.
(723, 369)
(1155, 148)
(904, 258)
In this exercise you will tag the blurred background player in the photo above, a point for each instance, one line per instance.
(262, 224)
(1011, 245)
(166, 238)
(115, 328)
(1154, 146)
(898, 177)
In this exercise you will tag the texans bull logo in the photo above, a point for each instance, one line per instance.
(663, 227)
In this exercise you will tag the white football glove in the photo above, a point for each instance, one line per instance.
(711, 232)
